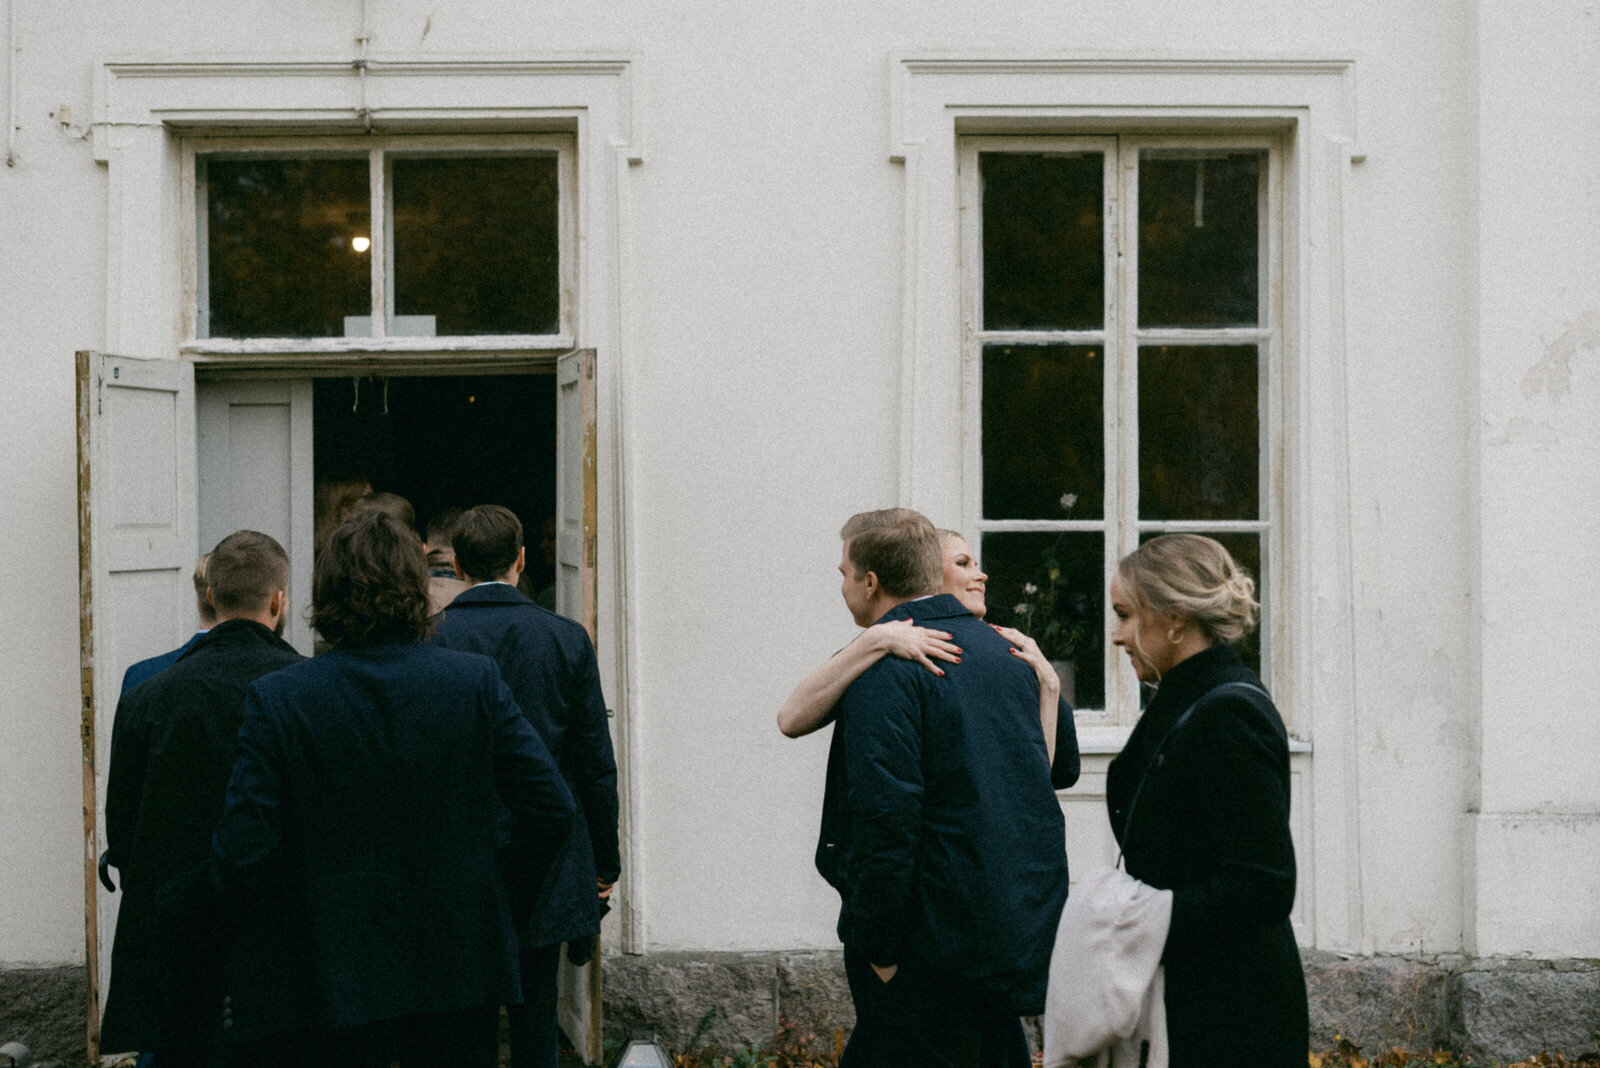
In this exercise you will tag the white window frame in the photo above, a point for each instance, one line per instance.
(1308, 107)
(381, 151)
(1119, 339)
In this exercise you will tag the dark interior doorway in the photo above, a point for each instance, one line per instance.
(444, 442)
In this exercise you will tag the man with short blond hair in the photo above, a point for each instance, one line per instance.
(940, 827)
(145, 669)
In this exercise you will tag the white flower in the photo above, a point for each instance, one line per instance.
(1030, 589)
(1021, 609)
(1068, 500)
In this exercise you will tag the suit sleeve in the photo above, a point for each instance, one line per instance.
(1243, 790)
(1067, 765)
(252, 812)
(593, 764)
(525, 774)
(130, 751)
(882, 719)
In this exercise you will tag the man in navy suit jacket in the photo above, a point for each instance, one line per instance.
(361, 814)
(549, 664)
(154, 665)
(941, 829)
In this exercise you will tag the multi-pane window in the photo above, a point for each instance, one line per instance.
(412, 238)
(1122, 343)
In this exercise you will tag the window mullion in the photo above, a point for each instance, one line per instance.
(197, 269)
(1123, 411)
(381, 233)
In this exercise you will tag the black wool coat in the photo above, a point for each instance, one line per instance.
(941, 829)
(361, 812)
(549, 663)
(1211, 824)
(173, 743)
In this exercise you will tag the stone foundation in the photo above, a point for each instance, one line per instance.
(1485, 1010)
(45, 1009)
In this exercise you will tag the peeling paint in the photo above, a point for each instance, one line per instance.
(1524, 431)
(1553, 374)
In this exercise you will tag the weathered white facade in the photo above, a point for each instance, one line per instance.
(767, 258)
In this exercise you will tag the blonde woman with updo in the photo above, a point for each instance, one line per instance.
(1199, 802)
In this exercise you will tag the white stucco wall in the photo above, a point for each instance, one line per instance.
(1538, 827)
(763, 300)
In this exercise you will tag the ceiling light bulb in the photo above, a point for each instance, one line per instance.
(360, 244)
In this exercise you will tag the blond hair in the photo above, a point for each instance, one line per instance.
(1195, 578)
(900, 546)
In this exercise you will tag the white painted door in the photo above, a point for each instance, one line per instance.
(136, 549)
(577, 505)
(256, 474)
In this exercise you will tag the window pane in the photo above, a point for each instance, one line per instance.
(1043, 433)
(1199, 240)
(1065, 613)
(1043, 256)
(1246, 552)
(475, 245)
(280, 246)
(1199, 432)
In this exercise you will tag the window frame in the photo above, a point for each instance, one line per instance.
(380, 150)
(1120, 338)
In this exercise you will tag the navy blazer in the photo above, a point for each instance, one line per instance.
(549, 663)
(941, 827)
(362, 800)
(154, 665)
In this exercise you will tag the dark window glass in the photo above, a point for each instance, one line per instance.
(1246, 552)
(476, 245)
(279, 246)
(1043, 255)
(1199, 432)
(1051, 586)
(1199, 240)
(1043, 432)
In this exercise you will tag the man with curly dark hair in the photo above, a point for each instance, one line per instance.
(360, 813)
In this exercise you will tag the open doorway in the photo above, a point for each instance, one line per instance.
(447, 442)
(175, 457)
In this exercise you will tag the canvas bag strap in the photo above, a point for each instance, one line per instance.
(1127, 822)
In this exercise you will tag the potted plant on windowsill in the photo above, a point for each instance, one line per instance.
(1057, 627)
(1055, 618)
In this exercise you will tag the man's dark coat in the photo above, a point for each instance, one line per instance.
(941, 828)
(363, 800)
(172, 747)
(1211, 824)
(549, 663)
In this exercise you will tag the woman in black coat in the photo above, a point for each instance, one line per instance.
(1210, 821)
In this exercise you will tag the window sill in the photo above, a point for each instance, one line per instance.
(1108, 740)
(322, 346)
(386, 356)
